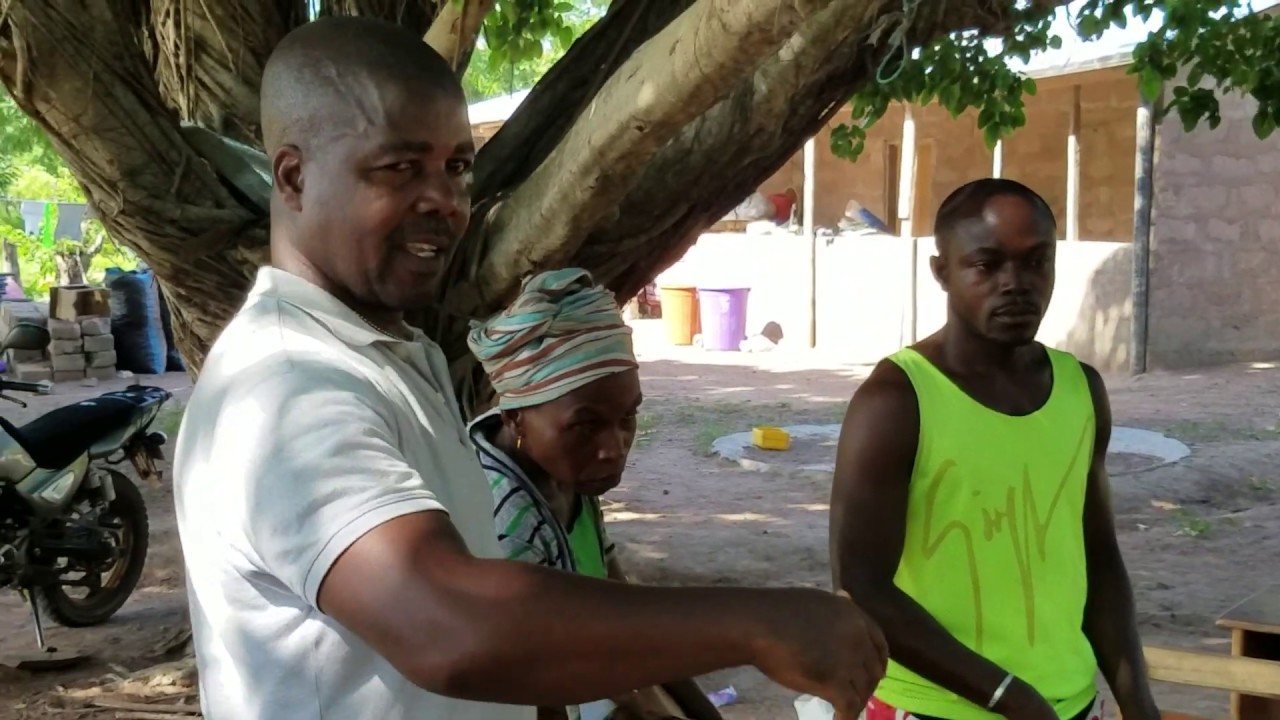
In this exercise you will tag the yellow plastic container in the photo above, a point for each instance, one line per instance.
(770, 438)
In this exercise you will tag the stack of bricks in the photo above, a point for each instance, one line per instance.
(82, 345)
(83, 348)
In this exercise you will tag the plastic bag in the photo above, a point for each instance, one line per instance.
(135, 321)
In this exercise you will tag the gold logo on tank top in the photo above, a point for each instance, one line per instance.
(1019, 521)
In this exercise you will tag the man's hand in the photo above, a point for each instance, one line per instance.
(824, 645)
(1022, 702)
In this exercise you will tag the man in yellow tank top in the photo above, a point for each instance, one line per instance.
(970, 514)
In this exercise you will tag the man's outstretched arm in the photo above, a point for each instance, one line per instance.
(875, 459)
(1109, 621)
(336, 513)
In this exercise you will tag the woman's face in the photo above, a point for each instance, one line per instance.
(582, 439)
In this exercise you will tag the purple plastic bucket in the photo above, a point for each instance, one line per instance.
(724, 317)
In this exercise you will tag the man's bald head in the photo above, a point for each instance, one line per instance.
(371, 151)
(337, 74)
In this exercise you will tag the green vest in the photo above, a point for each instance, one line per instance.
(994, 546)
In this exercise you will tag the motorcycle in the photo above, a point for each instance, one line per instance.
(73, 529)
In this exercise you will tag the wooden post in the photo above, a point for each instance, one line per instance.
(810, 237)
(997, 159)
(1073, 167)
(907, 173)
(1144, 167)
(906, 208)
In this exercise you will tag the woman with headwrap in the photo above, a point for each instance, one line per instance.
(561, 361)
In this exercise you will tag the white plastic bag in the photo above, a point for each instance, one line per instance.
(809, 707)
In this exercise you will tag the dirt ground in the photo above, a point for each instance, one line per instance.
(1198, 536)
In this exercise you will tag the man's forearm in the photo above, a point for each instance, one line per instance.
(919, 643)
(505, 620)
(1112, 631)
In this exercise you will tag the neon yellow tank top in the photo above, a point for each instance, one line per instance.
(994, 546)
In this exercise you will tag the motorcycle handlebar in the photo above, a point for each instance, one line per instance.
(20, 386)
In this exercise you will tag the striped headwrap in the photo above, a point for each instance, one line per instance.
(563, 332)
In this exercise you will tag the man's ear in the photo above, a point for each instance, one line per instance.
(938, 264)
(286, 175)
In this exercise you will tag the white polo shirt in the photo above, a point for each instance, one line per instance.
(307, 429)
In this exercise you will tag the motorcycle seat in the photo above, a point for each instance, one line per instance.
(54, 440)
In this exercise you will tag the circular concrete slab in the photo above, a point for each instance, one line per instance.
(813, 449)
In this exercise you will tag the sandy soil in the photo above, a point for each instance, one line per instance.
(1198, 536)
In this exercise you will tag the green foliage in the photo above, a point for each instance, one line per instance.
(1200, 48)
(522, 39)
(22, 143)
(34, 182)
(37, 262)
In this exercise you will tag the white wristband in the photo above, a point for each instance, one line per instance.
(999, 693)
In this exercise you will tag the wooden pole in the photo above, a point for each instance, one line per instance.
(906, 207)
(1144, 166)
(1073, 167)
(810, 236)
(907, 173)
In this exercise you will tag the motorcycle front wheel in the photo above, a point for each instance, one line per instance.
(118, 581)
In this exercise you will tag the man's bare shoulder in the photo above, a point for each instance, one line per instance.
(887, 389)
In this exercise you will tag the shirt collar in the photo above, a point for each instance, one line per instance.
(345, 323)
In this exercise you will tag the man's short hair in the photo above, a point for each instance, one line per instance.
(968, 201)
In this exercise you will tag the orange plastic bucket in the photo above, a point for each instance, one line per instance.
(679, 313)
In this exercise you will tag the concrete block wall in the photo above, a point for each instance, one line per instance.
(1215, 276)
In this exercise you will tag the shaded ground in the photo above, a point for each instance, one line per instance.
(1197, 536)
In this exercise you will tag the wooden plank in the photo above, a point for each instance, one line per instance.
(1218, 672)
(1259, 613)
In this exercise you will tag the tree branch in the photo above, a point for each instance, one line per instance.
(728, 151)
(415, 15)
(77, 68)
(536, 127)
(209, 56)
(454, 31)
(669, 81)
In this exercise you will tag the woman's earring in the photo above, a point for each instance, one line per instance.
(519, 441)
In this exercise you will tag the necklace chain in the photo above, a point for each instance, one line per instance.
(384, 331)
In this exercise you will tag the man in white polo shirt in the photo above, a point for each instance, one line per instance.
(336, 524)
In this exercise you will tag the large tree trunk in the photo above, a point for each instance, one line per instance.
(616, 161)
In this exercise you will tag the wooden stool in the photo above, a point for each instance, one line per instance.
(1255, 633)
(1257, 680)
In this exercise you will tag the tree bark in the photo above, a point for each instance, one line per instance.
(454, 31)
(78, 68)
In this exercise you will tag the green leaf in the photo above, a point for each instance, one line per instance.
(565, 36)
(1149, 84)
(1089, 25)
(1055, 42)
(991, 135)
(1029, 86)
(1263, 125)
